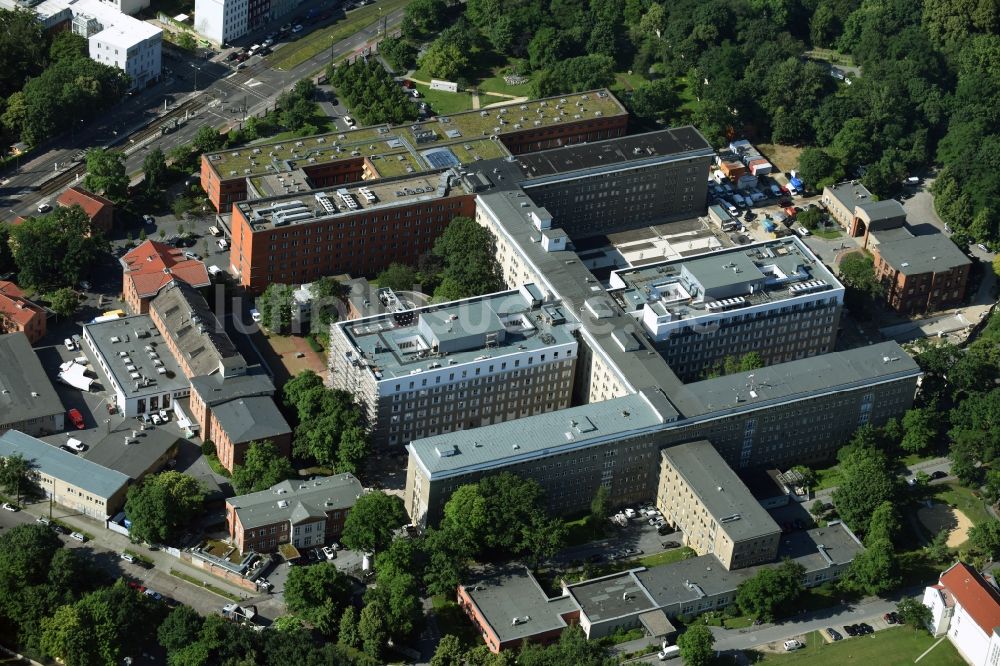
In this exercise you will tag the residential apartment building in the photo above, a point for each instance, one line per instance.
(222, 21)
(701, 496)
(461, 365)
(306, 513)
(71, 481)
(793, 413)
(99, 210)
(141, 371)
(360, 229)
(385, 151)
(20, 315)
(773, 298)
(28, 401)
(119, 40)
(509, 607)
(966, 607)
(920, 273)
(152, 266)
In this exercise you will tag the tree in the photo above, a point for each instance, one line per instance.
(318, 594)
(181, 206)
(696, 645)
(154, 168)
(371, 522)
(162, 505)
(263, 467)
(353, 449)
(207, 139)
(275, 306)
(181, 627)
(398, 277)
(106, 174)
(445, 60)
(56, 250)
(399, 53)
(398, 592)
(867, 482)
(22, 49)
(67, 46)
(467, 252)
(449, 652)
(15, 474)
(938, 549)
(372, 629)
(655, 98)
(64, 302)
(985, 538)
(875, 569)
(810, 218)
(7, 264)
(422, 18)
(819, 169)
(348, 634)
(600, 505)
(920, 429)
(575, 75)
(857, 271)
(914, 613)
(771, 590)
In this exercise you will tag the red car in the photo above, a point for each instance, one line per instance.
(77, 418)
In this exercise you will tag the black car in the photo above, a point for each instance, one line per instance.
(851, 629)
(834, 634)
(938, 475)
(667, 545)
(864, 629)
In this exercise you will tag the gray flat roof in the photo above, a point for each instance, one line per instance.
(612, 596)
(504, 443)
(760, 274)
(885, 209)
(512, 592)
(63, 465)
(25, 390)
(251, 419)
(197, 333)
(279, 502)
(683, 581)
(720, 491)
(403, 343)
(216, 389)
(851, 194)
(110, 450)
(805, 377)
(933, 253)
(134, 351)
(674, 142)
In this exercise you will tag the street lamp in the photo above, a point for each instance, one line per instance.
(196, 70)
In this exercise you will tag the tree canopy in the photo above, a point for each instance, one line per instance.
(369, 90)
(318, 594)
(867, 482)
(106, 174)
(162, 505)
(371, 522)
(466, 249)
(263, 467)
(771, 591)
(56, 250)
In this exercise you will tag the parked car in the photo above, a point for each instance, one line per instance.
(890, 618)
(667, 545)
(793, 644)
(834, 634)
(255, 315)
(7, 506)
(223, 244)
(630, 513)
(214, 231)
(163, 415)
(77, 418)
(938, 475)
(44, 207)
(69, 345)
(664, 529)
(864, 629)
(79, 537)
(128, 557)
(155, 419)
(149, 219)
(156, 596)
(330, 553)
(983, 247)
(851, 629)
(75, 445)
(297, 28)
(192, 255)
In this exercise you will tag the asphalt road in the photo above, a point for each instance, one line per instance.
(224, 97)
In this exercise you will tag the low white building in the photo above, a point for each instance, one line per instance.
(119, 40)
(967, 607)
(221, 21)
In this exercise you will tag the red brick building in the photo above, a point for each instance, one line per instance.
(18, 314)
(152, 266)
(305, 513)
(100, 210)
(920, 273)
(369, 152)
(358, 230)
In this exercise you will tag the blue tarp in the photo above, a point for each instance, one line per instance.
(796, 183)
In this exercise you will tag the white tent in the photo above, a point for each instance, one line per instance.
(75, 375)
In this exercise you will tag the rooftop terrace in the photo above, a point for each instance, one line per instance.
(328, 203)
(460, 129)
(412, 341)
(723, 281)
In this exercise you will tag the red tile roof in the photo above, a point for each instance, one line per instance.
(15, 305)
(92, 204)
(971, 591)
(152, 266)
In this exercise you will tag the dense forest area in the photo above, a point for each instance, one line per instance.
(917, 83)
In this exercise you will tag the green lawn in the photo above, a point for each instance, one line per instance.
(827, 478)
(891, 647)
(320, 40)
(626, 81)
(829, 233)
(962, 499)
(666, 557)
(496, 84)
(582, 530)
(444, 103)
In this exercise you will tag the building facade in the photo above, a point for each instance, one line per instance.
(921, 273)
(72, 481)
(775, 299)
(456, 366)
(118, 40)
(305, 513)
(966, 607)
(701, 496)
(152, 266)
(221, 21)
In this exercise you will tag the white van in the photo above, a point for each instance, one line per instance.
(214, 270)
(214, 231)
(223, 244)
(669, 652)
